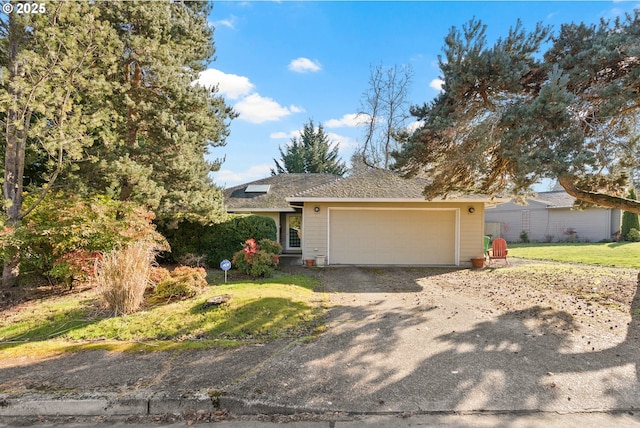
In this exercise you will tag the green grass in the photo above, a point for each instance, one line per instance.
(622, 254)
(286, 306)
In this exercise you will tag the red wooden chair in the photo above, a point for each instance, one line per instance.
(499, 250)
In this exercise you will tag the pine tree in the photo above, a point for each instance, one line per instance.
(158, 144)
(98, 97)
(509, 116)
(311, 153)
(51, 60)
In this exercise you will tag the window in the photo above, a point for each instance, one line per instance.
(294, 236)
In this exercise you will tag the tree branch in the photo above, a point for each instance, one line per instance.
(568, 183)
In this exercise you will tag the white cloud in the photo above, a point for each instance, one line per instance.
(413, 126)
(229, 22)
(553, 14)
(251, 106)
(258, 109)
(284, 135)
(304, 65)
(350, 120)
(278, 135)
(344, 143)
(231, 86)
(228, 178)
(436, 84)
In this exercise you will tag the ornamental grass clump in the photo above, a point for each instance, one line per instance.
(123, 276)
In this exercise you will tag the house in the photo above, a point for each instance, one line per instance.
(267, 197)
(551, 217)
(373, 218)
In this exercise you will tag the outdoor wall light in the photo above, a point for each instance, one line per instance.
(471, 210)
(316, 209)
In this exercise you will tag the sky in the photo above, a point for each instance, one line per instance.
(282, 63)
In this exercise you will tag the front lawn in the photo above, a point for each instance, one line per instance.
(258, 311)
(622, 254)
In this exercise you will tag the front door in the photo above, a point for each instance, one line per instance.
(294, 232)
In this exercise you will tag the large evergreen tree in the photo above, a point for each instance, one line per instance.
(166, 125)
(48, 88)
(312, 152)
(98, 97)
(509, 117)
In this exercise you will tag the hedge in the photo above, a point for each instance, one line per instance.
(217, 241)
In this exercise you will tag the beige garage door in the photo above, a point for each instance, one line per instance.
(392, 237)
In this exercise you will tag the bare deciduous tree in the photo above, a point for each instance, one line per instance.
(384, 108)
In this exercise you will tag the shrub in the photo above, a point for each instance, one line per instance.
(77, 265)
(158, 274)
(123, 276)
(217, 241)
(253, 260)
(633, 235)
(629, 220)
(184, 282)
(524, 236)
(571, 234)
(192, 260)
(65, 235)
(270, 246)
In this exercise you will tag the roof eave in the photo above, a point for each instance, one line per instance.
(484, 200)
(257, 210)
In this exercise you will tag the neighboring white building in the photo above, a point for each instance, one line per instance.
(550, 218)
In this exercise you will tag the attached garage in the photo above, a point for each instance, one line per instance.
(380, 218)
(395, 236)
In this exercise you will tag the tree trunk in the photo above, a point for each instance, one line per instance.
(601, 199)
(17, 126)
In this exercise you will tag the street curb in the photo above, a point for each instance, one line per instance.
(152, 405)
(73, 407)
(240, 406)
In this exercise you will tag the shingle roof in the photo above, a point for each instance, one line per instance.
(281, 186)
(373, 184)
(556, 199)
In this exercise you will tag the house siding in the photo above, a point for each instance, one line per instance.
(547, 223)
(510, 217)
(591, 224)
(470, 231)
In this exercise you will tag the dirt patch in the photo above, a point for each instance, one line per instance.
(586, 301)
(580, 290)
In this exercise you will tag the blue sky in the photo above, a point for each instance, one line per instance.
(282, 63)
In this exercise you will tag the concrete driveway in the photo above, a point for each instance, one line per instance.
(425, 340)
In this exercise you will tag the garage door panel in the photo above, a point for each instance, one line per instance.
(392, 237)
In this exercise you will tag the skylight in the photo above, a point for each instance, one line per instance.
(257, 188)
